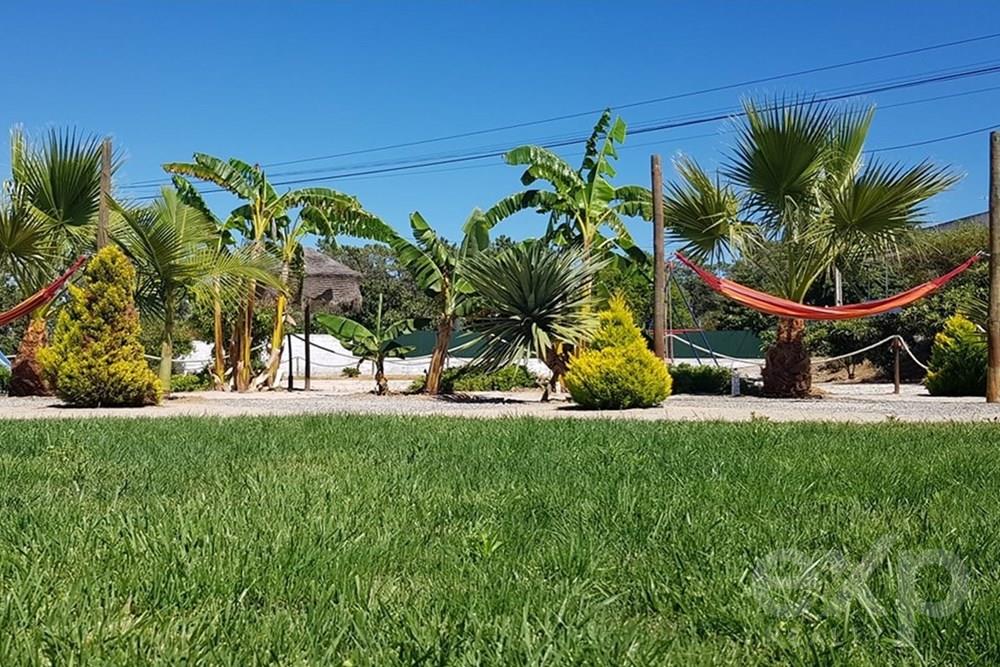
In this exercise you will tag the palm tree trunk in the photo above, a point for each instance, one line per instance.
(436, 368)
(26, 373)
(787, 371)
(167, 345)
(219, 371)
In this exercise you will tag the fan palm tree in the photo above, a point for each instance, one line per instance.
(798, 198)
(581, 202)
(50, 211)
(439, 270)
(535, 300)
(266, 216)
(177, 254)
(375, 345)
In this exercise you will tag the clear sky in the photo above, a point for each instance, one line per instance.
(272, 82)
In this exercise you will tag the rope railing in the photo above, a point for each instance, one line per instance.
(825, 360)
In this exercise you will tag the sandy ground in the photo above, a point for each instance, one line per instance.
(841, 402)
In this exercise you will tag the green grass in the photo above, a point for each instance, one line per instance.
(379, 541)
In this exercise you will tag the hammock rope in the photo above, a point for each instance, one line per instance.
(42, 296)
(773, 305)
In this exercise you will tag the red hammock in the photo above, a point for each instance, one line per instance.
(41, 297)
(773, 305)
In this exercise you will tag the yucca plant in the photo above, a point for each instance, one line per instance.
(796, 197)
(535, 301)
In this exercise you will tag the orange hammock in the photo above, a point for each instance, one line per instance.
(41, 297)
(773, 305)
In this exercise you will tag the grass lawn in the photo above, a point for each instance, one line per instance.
(324, 540)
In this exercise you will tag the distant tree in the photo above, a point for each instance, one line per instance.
(382, 273)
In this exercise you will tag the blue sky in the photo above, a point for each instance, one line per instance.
(271, 82)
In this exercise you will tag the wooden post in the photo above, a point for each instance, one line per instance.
(838, 287)
(896, 345)
(105, 196)
(993, 321)
(291, 368)
(308, 326)
(659, 261)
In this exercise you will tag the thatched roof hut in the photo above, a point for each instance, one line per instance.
(328, 285)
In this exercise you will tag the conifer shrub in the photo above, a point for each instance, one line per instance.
(96, 357)
(617, 370)
(958, 360)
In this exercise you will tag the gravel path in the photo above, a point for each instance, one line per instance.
(847, 403)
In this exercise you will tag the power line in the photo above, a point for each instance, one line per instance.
(457, 159)
(631, 105)
(955, 70)
(936, 140)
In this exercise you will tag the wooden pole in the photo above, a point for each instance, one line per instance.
(659, 260)
(105, 196)
(993, 321)
(291, 368)
(308, 326)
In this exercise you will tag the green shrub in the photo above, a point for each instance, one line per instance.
(96, 357)
(350, 372)
(617, 371)
(617, 326)
(4, 379)
(466, 378)
(182, 383)
(958, 360)
(618, 377)
(691, 379)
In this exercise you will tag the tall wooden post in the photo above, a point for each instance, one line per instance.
(659, 260)
(308, 326)
(896, 346)
(105, 196)
(993, 323)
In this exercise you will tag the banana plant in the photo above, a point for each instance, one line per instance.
(176, 250)
(371, 345)
(267, 218)
(439, 269)
(581, 203)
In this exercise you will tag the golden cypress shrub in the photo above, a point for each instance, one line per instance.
(618, 371)
(96, 358)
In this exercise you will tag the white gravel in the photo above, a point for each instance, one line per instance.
(841, 402)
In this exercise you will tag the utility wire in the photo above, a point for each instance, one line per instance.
(656, 100)
(457, 159)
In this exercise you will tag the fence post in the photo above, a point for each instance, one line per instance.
(291, 369)
(308, 326)
(895, 371)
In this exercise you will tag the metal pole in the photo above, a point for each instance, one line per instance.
(670, 312)
(993, 321)
(308, 326)
(659, 261)
(291, 368)
(105, 196)
(838, 288)
(895, 371)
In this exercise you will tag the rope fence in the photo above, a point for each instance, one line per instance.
(824, 360)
